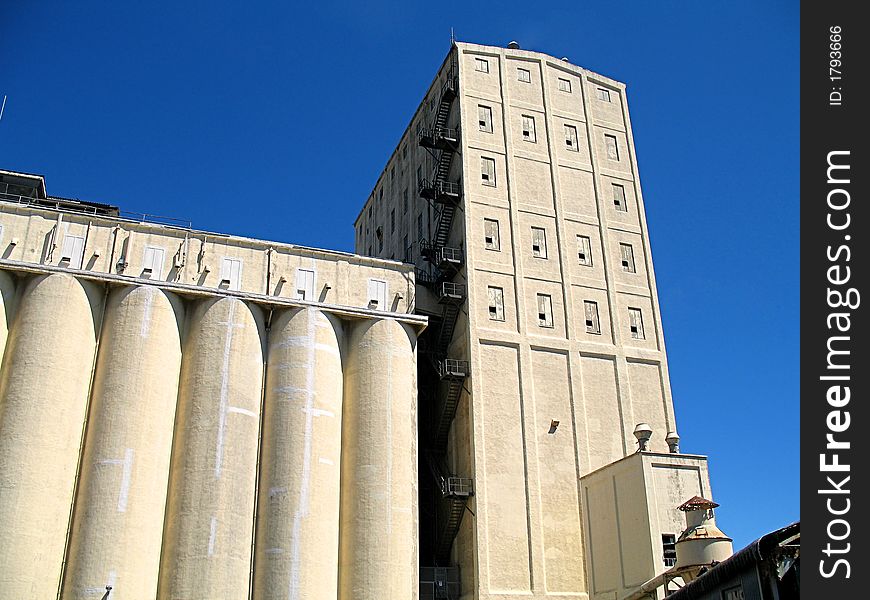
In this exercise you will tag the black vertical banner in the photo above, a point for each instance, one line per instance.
(835, 346)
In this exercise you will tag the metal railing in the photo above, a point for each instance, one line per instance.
(16, 189)
(451, 84)
(439, 188)
(452, 367)
(450, 134)
(84, 208)
(439, 583)
(447, 254)
(457, 486)
(451, 289)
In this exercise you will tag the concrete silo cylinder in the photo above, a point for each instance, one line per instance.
(210, 506)
(118, 519)
(298, 514)
(378, 531)
(43, 399)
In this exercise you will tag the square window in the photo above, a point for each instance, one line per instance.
(481, 65)
(604, 95)
(626, 253)
(584, 250)
(529, 129)
(495, 296)
(612, 148)
(484, 118)
(545, 311)
(619, 198)
(571, 141)
(635, 320)
(487, 171)
(590, 310)
(539, 242)
(491, 234)
(564, 85)
(524, 75)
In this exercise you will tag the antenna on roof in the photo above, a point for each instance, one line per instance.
(452, 37)
(3, 107)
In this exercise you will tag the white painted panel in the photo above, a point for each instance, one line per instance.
(378, 294)
(73, 250)
(304, 285)
(231, 271)
(152, 263)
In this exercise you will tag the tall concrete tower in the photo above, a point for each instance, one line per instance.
(515, 192)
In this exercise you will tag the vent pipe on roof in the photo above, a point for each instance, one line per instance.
(643, 432)
(673, 441)
(513, 45)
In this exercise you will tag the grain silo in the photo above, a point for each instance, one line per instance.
(184, 414)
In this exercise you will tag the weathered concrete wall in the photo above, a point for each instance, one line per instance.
(378, 537)
(300, 476)
(44, 389)
(562, 178)
(118, 519)
(142, 252)
(210, 510)
(628, 506)
(155, 437)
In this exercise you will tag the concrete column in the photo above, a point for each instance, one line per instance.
(210, 505)
(378, 537)
(297, 524)
(43, 399)
(118, 520)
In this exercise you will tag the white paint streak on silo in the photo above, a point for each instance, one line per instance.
(7, 308)
(378, 535)
(297, 531)
(43, 399)
(118, 521)
(210, 508)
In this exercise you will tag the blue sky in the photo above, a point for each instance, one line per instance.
(196, 109)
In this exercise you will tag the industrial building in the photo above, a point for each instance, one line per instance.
(514, 191)
(475, 405)
(181, 409)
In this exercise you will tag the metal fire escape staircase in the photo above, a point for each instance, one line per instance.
(455, 492)
(445, 263)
